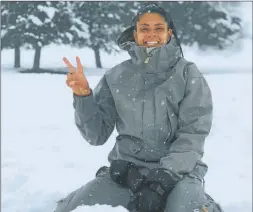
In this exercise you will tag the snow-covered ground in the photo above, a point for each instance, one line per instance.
(44, 156)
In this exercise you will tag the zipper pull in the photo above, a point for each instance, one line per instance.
(147, 60)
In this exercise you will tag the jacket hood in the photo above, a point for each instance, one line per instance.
(160, 57)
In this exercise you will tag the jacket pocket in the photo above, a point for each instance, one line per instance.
(128, 146)
(135, 148)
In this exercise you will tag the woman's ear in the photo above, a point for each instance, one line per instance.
(169, 33)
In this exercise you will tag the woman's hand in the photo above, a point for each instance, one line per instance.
(76, 79)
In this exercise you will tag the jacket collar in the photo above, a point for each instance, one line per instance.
(158, 59)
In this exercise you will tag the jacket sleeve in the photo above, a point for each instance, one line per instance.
(194, 124)
(95, 115)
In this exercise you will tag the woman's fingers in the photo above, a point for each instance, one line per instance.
(77, 88)
(79, 65)
(73, 83)
(70, 76)
(69, 65)
(76, 79)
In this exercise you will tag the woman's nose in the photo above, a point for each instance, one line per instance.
(152, 33)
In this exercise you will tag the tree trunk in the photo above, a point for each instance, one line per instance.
(36, 61)
(17, 56)
(97, 56)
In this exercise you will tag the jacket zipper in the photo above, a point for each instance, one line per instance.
(143, 102)
(146, 61)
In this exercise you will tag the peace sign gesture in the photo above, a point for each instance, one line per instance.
(76, 79)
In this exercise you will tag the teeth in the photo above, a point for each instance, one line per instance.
(152, 42)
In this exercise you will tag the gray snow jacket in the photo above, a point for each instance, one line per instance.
(162, 109)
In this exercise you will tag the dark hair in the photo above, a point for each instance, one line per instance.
(154, 8)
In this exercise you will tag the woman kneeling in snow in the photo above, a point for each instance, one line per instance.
(156, 163)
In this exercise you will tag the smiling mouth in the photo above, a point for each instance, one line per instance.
(151, 43)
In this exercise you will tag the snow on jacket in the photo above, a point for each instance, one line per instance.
(161, 106)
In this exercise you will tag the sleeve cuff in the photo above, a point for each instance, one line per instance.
(86, 106)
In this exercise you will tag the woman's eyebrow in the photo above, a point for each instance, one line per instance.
(144, 24)
(159, 24)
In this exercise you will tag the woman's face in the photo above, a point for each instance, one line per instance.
(152, 30)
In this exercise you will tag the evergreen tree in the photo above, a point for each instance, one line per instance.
(208, 24)
(12, 27)
(97, 25)
(34, 25)
(47, 23)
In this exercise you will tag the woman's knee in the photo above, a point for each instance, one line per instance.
(102, 190)
(187, 195)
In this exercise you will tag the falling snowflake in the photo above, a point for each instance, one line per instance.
(117, 91)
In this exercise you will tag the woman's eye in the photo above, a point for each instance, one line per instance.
(144, 29)
(159, 29)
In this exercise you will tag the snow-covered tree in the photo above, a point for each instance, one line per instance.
(12, 27)
(47, 23)
(97, 25)
(208, 24)
(34, 25)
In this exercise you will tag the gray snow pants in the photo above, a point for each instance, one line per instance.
(187, 196)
